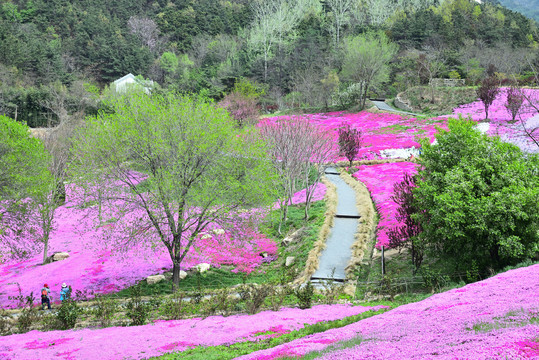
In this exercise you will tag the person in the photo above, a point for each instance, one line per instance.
(64, 292)
(45, 297)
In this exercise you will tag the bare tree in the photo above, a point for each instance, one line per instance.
(429, 65)
(341, 11)
(298, 147)
(146, 29)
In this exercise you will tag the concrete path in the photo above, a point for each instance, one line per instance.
(382, 105)
(337, 253)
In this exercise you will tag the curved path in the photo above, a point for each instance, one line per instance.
(337, 253)
(382, 105)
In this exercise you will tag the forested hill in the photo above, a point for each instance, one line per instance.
(530, 8)
(292, 50)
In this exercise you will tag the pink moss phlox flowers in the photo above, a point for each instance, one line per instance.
(381, 131)
(380, 180)
(442, 326)
(140, 342)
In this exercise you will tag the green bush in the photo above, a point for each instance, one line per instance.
(137, 310)
(305, 295)
(105, 309)
(68, 314)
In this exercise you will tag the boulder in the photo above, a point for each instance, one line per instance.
(154, 279)
(202, 267)
(289, 261)
(59, 256)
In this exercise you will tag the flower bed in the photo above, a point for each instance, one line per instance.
(499, 123)
(382, 131)
(166, 336)
(497, 318)
(380, 180)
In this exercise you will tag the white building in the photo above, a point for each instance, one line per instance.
(130, 81)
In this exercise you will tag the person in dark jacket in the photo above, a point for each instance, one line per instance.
(45, 297)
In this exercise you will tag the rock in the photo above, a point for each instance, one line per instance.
(287, 241)
(289, 261)
(59, 256)
(218, 231)
(202, 267)
(154, 279)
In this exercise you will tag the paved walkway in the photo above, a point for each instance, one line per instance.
(337, 253)
(382, 105)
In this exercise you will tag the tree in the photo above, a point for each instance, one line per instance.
(24, 177)
(514, 101)
(349, 142)
(298, 148)
(167, 167)
(487, 91)
(405, 235)
(478, 199)
(146, 29)
(340, 10)
(366, 60)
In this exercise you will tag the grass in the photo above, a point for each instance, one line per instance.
(341, 345)
(225, 352)
(514, 318)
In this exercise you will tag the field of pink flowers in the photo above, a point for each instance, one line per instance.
(380, 131)
(497, 318)
(140, 342)
(380, 179)
(499, 119)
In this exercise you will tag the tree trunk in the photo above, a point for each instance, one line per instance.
(175, 276)
(45, 247)
(60, 194)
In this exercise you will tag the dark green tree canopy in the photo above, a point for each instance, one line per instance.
(479, 199)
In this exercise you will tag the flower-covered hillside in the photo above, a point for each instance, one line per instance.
(380, 180)
(500, 120)
(497, 318)
(94, 267)
(141, 342)
(381, 132)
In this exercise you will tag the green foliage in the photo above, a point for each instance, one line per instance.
(366, 59)
(136, 309)
(23, 162)
(305, 295)
(479, 199)
(68, 314)
(105, 309)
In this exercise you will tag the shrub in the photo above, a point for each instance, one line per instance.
(305, 295)
(254, 296)
(5, 327)
(68, 314)
(105, 309)
(137, 310)
(172, 308)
